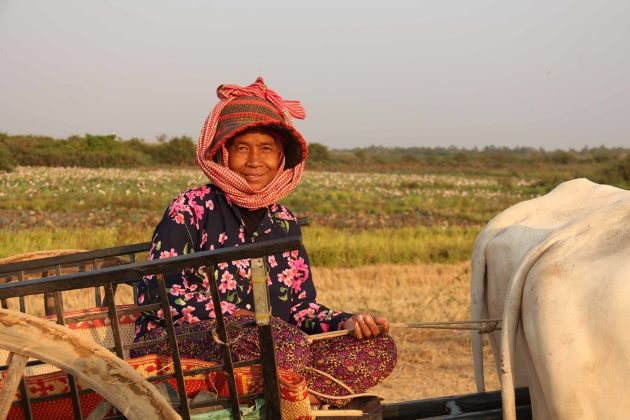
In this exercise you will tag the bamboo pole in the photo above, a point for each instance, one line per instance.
(449, 325)
(337, 413)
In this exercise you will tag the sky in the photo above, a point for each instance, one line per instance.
(464, 73)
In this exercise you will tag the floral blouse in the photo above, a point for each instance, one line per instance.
(203, 219)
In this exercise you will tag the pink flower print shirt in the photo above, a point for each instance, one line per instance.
(203, 219)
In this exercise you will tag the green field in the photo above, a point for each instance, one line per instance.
(355, 218)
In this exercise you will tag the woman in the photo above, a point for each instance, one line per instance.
(254, 156)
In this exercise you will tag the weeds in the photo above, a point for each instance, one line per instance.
(327, 247)
(356, 218)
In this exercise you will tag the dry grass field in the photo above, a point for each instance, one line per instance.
(430, 362)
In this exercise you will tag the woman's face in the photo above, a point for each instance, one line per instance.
(256, 157)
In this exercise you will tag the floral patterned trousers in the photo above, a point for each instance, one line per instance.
(359, 364)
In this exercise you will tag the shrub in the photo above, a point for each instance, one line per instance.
(178, 151)
(562, 157)
(318, 153)
(7, 163)
(616, 173)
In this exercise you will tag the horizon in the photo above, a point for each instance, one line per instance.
(513, 148)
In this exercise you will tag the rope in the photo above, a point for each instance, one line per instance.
(235, 325)
(338, 382)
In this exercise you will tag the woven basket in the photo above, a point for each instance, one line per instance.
(93, 324)
(56, 383)
(47, 380)
(28, 256)
(293, 392)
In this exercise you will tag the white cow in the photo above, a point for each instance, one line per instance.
(501, 249)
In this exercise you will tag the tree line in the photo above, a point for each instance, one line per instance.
(610, 165)
(94, 151)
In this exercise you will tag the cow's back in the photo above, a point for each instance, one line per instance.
(575, 291)
(508, 237)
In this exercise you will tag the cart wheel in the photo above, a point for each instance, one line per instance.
(27, 336)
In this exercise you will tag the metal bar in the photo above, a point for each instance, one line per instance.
(97, 290)
(76, 401)
(172, 342)
(21, 279)
(265, 337)
(88, 255)
(133, 272)
(3, 302)
(25, 401)
(49, 303)
(53, 302)
(134, 309)
(270, 372)
(437, 407)
(58, 305)
(98, 299)
(29, 363)
(74, 390)
(113, 317)
(74, 258)
(221, 331)
(134, 289)
(57, 302)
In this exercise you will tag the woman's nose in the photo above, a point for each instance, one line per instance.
(253, 158)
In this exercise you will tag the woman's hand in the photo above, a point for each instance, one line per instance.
(366, 325)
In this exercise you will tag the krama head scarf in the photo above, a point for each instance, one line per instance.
(241, 110)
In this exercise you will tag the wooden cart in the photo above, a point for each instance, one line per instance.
(90, 370)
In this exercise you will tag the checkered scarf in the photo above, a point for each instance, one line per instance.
(233, 185)
(238, 190)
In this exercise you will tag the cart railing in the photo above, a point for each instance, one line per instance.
(76, 261)
(131, 272)
(81, 261)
